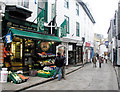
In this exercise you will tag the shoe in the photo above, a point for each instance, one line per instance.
(52, 78)
(64, 78)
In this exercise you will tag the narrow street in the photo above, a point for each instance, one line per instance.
(87, 78)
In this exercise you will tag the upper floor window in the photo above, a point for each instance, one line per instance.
(77, 29)
(24, 3)
(77, 9)
(66, 3)
(67, 18)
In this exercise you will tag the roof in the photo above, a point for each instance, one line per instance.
(87, 11)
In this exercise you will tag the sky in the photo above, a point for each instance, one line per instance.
(103, 11)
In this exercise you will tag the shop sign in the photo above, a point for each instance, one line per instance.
(106, 43)
(1, 53)
(8, 38)
(87, 44)
(10, 24)
(45, 46)
(70, 47)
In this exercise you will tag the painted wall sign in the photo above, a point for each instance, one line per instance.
(45, 46)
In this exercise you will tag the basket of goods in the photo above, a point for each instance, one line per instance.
(53, 67)
(43, 53)
(33, 73)
(15, 78)
(23, 77)
(42, 73)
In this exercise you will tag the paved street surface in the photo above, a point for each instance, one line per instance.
(87, 78)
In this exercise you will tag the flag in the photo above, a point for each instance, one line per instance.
(64, 28)
(53, 21)
(40, 21)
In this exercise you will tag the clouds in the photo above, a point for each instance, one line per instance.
(103, 11)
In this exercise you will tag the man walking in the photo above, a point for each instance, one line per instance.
(59, 64)
(63, 68)
(94, 60)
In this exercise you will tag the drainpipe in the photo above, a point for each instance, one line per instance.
(2, 11)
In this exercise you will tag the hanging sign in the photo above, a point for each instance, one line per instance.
(106, 43)
(8, 38)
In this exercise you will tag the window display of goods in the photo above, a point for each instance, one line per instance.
(53, 67)
(50, 55)
(42, 73)
(47, 68)
(43, 53)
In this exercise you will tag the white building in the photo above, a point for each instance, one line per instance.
(80, 24)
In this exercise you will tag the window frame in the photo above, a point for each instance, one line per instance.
(77, 9)
(67, 18)
(66, 4)
(78, 29)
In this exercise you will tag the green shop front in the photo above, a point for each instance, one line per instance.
(31, 49)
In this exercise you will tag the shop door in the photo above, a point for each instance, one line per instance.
(86, 52)
(29, 51)
(80, 53)
(16, 49)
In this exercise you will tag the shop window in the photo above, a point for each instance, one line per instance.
(16, 49)
(43, 5)
(77, 29)
(24, 3)
(66, 3)
(77, 9)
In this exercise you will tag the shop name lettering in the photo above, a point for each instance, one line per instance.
(10, 24)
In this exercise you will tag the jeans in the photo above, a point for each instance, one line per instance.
(63, 72)
(56, 70)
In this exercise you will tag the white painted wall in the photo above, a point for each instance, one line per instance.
(86, 26)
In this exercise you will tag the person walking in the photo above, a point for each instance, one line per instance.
(94, 60)
(106, 58)
(59, 62)
(100, 61)
(63, 68)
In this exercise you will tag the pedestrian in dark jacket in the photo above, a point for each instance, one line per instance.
(59, 62)
(100, 61)
(94, 60)
(63, 68)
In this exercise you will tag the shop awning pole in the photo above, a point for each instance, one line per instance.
(51, 27)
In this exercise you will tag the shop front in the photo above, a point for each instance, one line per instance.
(30, 49)
(87, 53)
(79, 52)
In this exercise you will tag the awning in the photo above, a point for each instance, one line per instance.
(21, 33)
